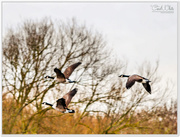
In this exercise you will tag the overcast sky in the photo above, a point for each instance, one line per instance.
(136, 31)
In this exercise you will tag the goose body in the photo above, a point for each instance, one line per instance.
(136, 78)
(64, 77)
(62, 103)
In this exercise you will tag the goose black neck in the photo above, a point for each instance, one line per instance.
(50, 77)
(49, 104)
(125, 75)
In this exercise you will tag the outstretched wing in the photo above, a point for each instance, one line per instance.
(70, 69)
(132, 79)
(147, 87)
(68, 96)
(130, 83)
(59, 73)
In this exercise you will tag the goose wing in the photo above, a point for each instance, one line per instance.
(68, 96)
(147, 87)
(59, 73)
(61, 105)
(132, 79)
(130, 83)
(70, 69)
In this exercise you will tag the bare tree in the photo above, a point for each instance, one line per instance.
(37, 47)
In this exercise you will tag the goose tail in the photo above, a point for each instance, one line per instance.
(69, 111)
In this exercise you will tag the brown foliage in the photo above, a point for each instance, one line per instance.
(160, 121)
(102, 103)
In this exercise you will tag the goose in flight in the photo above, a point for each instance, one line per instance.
(62, 103)
(136, 78)
(64, 77)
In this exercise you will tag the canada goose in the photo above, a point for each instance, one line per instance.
(64, 77)
(136, 78)
(62, 103)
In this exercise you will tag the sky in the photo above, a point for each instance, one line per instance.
(136, 32)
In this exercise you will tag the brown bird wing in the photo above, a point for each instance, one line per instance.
(132, 79)
(61, 105)
(147, 87)
(130, 83)
(70, 69)
(68, 96)
(59, 74)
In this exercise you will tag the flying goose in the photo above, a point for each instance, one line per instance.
(136, 78)
(62, 103)
(64, 77)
